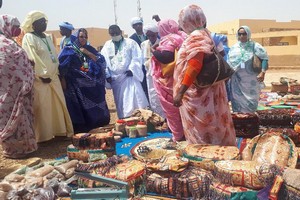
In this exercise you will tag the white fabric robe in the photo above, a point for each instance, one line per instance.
(128, 91)
(153, 96)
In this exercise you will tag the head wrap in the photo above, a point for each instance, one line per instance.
(66, 25)
(30, 18)
(6, 23)
(247, 29)
(150, 27)
(167, 26)
(136, 20)
(191, 18)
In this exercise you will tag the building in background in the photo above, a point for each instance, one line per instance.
(281, 39)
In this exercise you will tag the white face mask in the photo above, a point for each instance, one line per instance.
(116, 38)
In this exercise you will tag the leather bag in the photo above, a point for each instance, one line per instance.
(214, 70)
(168, 69)
(256, 62)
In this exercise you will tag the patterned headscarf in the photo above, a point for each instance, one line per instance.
(191, 18)
(171, 37)
(30, 18)
(247, 30)
(167, 26)
(6, 23)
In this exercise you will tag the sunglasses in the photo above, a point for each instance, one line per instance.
(240, 34)
(83, 37)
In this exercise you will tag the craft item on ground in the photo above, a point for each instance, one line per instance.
(279, 87)
(64, 167)
(120, 126)
(290, 132)
(291, 186)
(103, 129)
(192, 182)
(295, 88)
(296, 117)
(133, 133)
(271, 147)
(94, 141)
(129, 126)
(170, 162)
(248, 174)
(100, 168)
(131, 172)
(204, 155)
(156, 145)
(219, 191)
(43, 171)
(141, 128)
(4, 189)
(246, 124)
(89, 155)
(153, 120)
(276, 117)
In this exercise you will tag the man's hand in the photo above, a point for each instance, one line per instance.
(128, 73)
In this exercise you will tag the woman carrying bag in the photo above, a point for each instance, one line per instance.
(205, 112)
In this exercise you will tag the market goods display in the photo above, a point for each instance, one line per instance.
(219, 191)
(271, 147)
(248, 174)
(170, 162)
(204, 156)
(156, 148)
(94, 141)
(89, 155)
(191, 182)
(246, 124)
(276, 117)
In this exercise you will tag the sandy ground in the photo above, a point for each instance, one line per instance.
(57, 147)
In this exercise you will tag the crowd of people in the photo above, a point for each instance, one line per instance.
(44, 94)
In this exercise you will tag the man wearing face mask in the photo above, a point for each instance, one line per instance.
(124, 72)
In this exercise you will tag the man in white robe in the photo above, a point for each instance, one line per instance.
(124, 72)
(151, 30)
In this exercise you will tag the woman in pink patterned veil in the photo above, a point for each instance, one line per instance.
(205, 112)
(16, 81)
(171, 40)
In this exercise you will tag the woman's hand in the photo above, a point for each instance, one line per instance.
(261, 77)
(177, 101)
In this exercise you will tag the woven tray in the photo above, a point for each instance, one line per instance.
(273, 148)
(156, 145)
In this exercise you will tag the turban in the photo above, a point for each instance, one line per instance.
(136, 20)
(30, 18)
(66, 25)
(150, 27)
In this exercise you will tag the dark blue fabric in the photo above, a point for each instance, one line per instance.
(85, 93)
(127, 144)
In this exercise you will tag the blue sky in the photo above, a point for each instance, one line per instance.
(100, 13)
